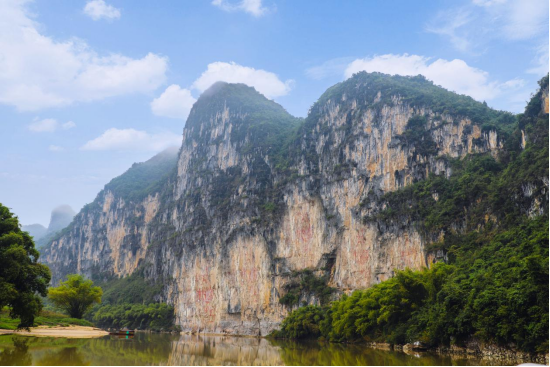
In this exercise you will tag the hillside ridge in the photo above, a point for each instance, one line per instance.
(261, 201)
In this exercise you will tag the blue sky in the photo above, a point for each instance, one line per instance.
(87, 87)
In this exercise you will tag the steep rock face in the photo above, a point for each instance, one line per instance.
(109, 235)
(258, 195)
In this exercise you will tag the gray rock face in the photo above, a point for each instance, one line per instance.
(227, 228)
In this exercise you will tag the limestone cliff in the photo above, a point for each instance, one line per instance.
(257, 195)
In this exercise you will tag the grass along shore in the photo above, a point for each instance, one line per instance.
(45, 318)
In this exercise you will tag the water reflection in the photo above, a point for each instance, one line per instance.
(207, 351)
(167, 349)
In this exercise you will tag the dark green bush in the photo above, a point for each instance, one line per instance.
(154, 316)
(302, 323)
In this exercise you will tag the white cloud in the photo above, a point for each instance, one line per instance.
(265, 82)
(174, 102)
(131, 139)
(471, 26)
(45, 125)
(454, 75)
(68, 125)
(38, 72)
(253, 7)
(98, 9)
(49, 125)
(55, 148)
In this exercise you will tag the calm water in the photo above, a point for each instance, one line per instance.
(166, 349)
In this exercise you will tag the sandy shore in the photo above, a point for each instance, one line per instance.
(60, 332)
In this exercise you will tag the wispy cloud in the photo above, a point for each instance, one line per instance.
(98, 9)
(471, 27)
(55, 148)
(134, 140)
(540, 61)
(49, 125)
(253, 7)
(452, 25)
(33, 178)
(330, 68)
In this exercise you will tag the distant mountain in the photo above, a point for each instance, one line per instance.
(37, 231)
(61, 217)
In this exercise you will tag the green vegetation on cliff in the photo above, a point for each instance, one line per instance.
(306, 283)
(494, 285)
(144, 178)
(264, 125)
(378, 89)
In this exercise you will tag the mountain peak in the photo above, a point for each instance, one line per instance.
(60, 218)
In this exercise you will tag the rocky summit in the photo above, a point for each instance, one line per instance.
(260, 212)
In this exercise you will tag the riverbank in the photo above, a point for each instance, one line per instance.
(473, 350)
(73, 331)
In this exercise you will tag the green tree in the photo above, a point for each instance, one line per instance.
(303, 322)
(75, 295)
(22, 278)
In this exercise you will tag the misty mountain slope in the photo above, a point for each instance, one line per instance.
(261, 200)
(37, 231)
(60, 218)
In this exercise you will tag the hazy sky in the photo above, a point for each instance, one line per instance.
(89, 87)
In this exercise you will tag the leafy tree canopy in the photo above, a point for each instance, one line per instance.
(22, 278)
(75, 295)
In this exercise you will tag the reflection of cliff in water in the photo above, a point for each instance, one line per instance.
(202, 350)
(194, 350)
(143, 349)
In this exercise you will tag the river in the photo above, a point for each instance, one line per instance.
(168, 349)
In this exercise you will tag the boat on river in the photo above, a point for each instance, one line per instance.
(124, 332)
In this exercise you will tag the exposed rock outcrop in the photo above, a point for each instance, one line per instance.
(258, 194)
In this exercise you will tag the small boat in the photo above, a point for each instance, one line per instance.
(124, 331)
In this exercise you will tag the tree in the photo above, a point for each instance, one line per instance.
(22, 278)
(75, 295)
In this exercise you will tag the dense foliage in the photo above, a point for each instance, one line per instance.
(130, 289)
(494, 287)
(306, 283)
(130, 302)
(154, 316)
(22, 278)
(303, 322)
(76, 295)
(144, 178)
